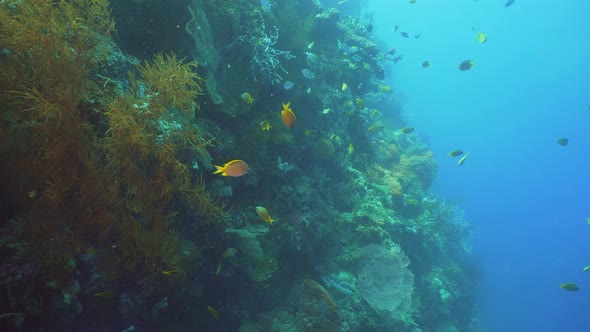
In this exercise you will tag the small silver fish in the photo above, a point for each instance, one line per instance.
(462, 160)
(313, 59)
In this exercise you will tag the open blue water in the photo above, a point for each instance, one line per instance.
(526, 195)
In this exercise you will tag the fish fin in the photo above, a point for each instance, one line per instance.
(219, 169)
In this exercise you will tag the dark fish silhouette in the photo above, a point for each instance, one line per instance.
(562, 141)
(405, 34)
(455, 153)
(570, 286)
(407, 130)
(508, 3)
(466, 65)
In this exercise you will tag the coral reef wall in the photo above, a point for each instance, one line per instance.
(113, 117)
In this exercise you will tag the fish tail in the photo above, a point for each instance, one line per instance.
(218, 170)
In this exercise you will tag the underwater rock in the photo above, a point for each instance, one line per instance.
(324, 27)
(352, 39)
(264, 268)
(204, 51)
(390, 154)
(393, 186)
(379, 71)
(323, 149)
(416, 172)
(277, 320)
(245, 241)
(314, 307)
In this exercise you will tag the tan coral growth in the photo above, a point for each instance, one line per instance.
(395, 188)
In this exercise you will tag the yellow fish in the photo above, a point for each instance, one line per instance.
(386, 88)
(247, 98)
(375, 113)
(310, 132)
(359, 103)
(214, 313)
(264, 215)
(350, 148)
(265, 125)
(234, 168)
(169, 272)
(376, 127)
(481, 37)
(344, 87)
(229, 252)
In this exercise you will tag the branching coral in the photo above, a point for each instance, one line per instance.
(86, 169)
(52, 43)
(445, 226)
(144, 160)
(266, 58)
(170, 83)
(50, 51)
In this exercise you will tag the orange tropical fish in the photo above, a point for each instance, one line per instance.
(264, 215)
(288, 115)
(234, 168)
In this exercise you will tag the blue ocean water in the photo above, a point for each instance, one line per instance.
(526, 195)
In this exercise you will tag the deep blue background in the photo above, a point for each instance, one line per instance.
(526, 196)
